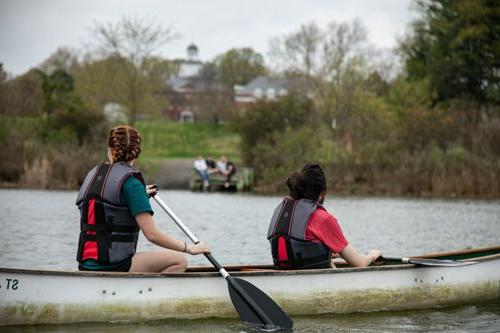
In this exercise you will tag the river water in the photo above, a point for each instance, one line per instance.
(39, 229)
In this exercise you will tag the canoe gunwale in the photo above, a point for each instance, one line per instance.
(256, 270)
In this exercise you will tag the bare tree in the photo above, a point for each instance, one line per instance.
(337, 62)
(21, 95)
(343, 68)
(298, 51)
(132, 42)
(324, 53)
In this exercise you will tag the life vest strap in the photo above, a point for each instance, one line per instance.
(100, 228)
(285, 218)
(109, 238)
(287, 256)
(96, 187)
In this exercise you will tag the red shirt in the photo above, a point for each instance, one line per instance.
(323, 227)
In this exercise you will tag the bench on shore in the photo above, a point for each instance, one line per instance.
(241, 181)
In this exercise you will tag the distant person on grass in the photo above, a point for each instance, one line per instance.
(200, 165)
(303, 234)
(114, 207)
(227, 168)
(212, 166)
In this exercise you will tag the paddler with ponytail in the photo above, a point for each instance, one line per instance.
(303, 234)
(114, 207)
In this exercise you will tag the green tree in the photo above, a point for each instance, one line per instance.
(66, 117)
(261, 122)
(99, 82)
(21, 95)
(456, 45)
(239, 66)
(104, 81)
(285, 151)
(57, 90)
(3, 74)
(131, 42)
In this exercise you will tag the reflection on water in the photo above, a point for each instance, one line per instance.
(484, 318)
(39, 229)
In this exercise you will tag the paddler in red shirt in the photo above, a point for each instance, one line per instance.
(303, 234)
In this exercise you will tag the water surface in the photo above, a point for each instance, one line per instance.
(39, 229)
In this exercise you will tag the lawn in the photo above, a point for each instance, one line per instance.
(163, 139)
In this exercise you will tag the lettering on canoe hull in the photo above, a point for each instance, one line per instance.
(418, 297)
(9, 284)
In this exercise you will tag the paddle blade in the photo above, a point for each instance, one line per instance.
(440, 262)
(255, 307)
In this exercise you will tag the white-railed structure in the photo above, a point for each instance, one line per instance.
(42, 296)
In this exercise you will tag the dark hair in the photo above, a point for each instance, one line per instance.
(125, 143)
(308, 183)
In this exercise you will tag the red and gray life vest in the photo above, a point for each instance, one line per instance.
(287, 234)
(108, 232)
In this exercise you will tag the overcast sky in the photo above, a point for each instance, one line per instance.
(30, 30)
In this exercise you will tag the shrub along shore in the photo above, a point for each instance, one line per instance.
(169, 149)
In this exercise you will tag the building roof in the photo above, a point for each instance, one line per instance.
(263, 83)
(176, 83)
(191, 83)
(277, 83)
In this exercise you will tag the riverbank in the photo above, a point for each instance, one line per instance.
(175, 173)
(30, 161)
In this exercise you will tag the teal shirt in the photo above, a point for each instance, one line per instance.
(135, 197)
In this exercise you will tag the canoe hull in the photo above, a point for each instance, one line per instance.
(37, 297)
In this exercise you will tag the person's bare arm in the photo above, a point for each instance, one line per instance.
(354, 258)
(155, 236)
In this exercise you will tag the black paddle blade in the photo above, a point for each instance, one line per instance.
(256, 308)
(440, 262)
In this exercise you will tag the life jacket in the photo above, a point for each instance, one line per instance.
(108, 231)
(287, 234)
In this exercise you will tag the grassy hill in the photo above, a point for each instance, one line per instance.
(162, 139)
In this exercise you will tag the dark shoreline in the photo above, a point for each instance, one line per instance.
(338, 194)
(174, 174)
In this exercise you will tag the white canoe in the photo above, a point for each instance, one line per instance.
(41, 296)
